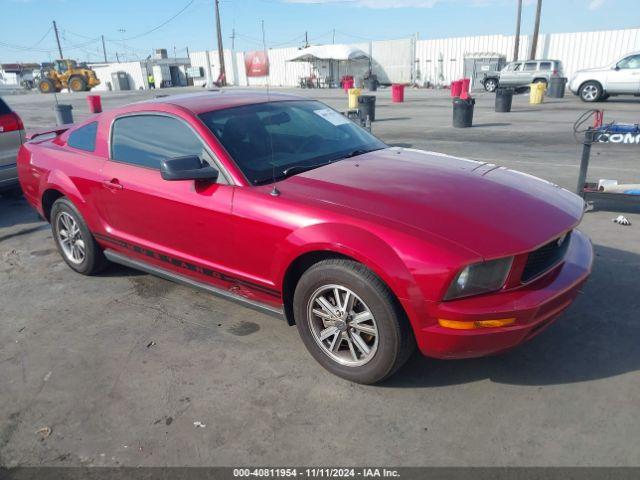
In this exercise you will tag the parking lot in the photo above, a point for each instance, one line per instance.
(119, 366)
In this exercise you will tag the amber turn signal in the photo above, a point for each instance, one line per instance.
(461, 325)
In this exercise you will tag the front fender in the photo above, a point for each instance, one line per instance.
(363, 246)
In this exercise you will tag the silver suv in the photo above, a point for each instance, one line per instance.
(620, 78)
(11, 137)
(523, 73)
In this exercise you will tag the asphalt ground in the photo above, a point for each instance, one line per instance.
(120, 366)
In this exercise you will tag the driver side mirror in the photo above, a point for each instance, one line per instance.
(187, 168)
(616, 67)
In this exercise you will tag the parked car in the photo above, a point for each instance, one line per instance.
(11, 137)
(620, 78)
(523, 73)
(282, 203)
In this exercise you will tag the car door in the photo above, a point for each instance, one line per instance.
(185, 225)
(625, 76)
(528, 73)
(508, 76)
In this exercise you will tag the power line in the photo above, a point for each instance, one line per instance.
(162, 24)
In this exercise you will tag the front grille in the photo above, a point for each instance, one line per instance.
(545, 257)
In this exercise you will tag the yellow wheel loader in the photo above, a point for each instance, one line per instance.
(67, 74)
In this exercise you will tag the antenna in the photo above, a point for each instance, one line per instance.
(274, 191)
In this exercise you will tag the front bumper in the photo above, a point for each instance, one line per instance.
(534, 306)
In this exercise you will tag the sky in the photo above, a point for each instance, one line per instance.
(133, 28)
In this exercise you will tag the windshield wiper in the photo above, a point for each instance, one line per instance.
(355, 153)
(301, 168)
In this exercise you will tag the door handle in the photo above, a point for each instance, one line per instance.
(113, 184)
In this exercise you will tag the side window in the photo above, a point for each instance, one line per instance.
(545, 65)
(84, 138)
(145, 140)
(630, 62)
(517, 67)
(530, 66)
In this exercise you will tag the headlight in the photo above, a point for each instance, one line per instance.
(479, 278)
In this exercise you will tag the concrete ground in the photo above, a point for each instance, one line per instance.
(121, 365)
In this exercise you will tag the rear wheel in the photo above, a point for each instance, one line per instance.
(350, 322)
(46, 86)
(77, 84)
(590, 92)
(74, 240)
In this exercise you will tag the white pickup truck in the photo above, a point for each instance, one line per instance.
(620, 78)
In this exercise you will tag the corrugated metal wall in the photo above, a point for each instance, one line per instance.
(438, 61)
(136, 72)
(575, 50)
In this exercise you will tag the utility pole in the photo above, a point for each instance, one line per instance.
(222, 77)
(104, 50)
(188, 56)
(516, 47)
(333, 37)
(536, 30)
(233, 39)
(306, 40)
(55, 29)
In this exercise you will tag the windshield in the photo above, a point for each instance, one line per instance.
(267, 139)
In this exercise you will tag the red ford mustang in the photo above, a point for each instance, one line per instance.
(283, 204)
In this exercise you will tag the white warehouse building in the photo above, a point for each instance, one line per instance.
(424, 62)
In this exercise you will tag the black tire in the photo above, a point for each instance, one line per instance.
(46, 86)
(77, 84)
(94, 260)
(490, 84)
(590, 92)
(395, 337)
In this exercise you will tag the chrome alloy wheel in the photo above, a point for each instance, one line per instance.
(590, 93)
(70, 238)
(342, 325)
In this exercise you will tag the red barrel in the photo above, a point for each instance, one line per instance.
(465, 84)
(456, 88)
(95, 104)
(397, 93)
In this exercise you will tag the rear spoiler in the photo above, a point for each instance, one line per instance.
(32, 134)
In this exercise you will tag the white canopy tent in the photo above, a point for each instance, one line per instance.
(331, 54)
(341, 53)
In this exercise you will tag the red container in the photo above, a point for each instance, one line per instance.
(397, 93)
(347, 82)
(465, 85)
(456, 88)
(95, 104)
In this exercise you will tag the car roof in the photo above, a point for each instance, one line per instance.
(200, 102)
(535, 60)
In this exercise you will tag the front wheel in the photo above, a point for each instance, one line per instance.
(490, 84)
(350, 322)
(590, 92)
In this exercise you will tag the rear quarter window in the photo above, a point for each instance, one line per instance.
(4, 108)
(84, 138)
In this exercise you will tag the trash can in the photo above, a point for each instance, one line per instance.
(367, 107)
(63, 114)
(536, 94)
(463, 112)
(353, 93)
(397, 93)
(95, 103)
(557, 86)
(504, 97)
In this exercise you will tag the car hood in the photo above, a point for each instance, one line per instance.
(490, 210)
(593, 70)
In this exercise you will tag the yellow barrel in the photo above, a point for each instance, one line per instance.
(536, 93)
(354, 93)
